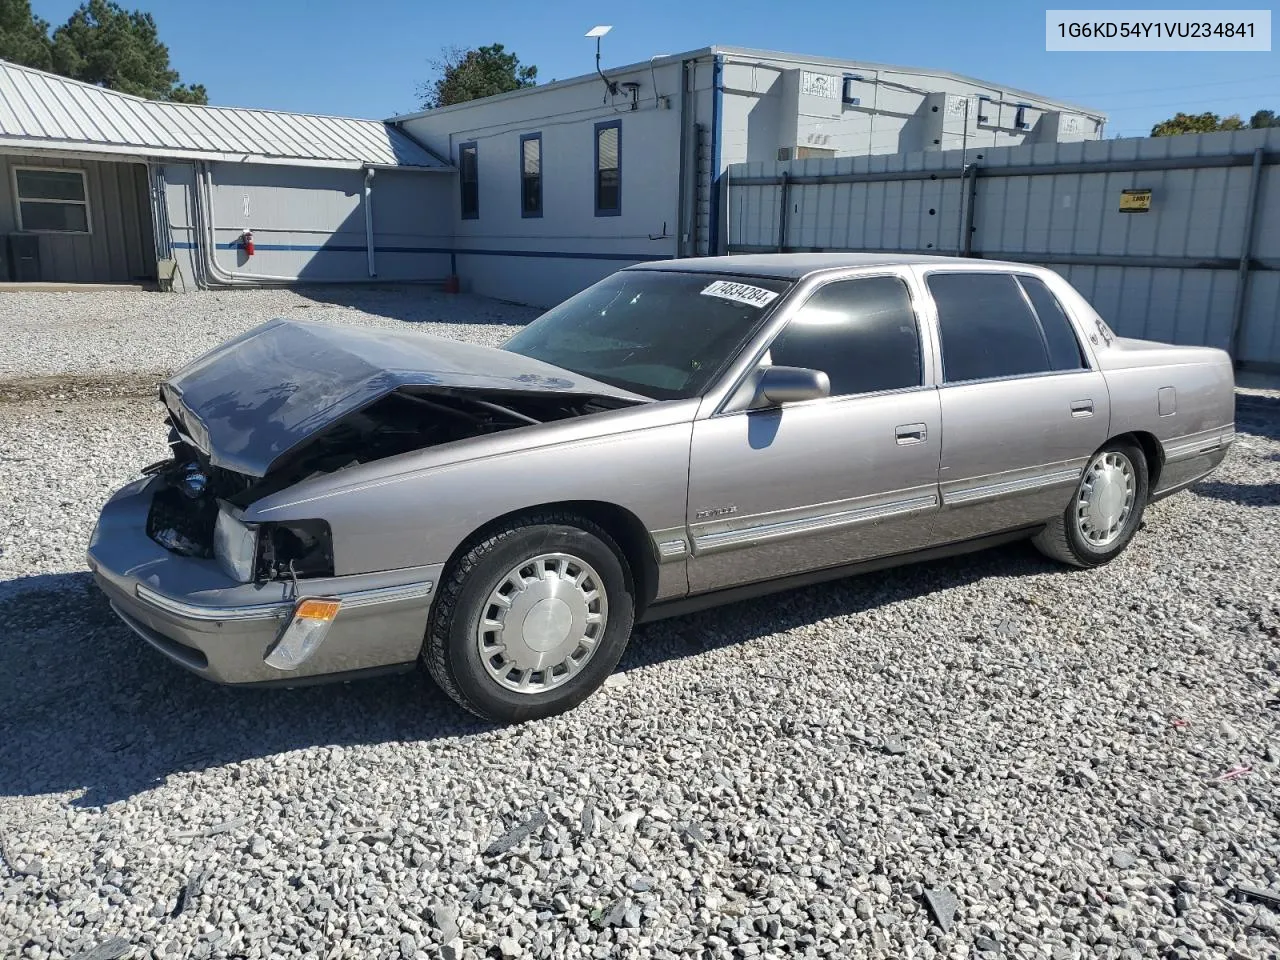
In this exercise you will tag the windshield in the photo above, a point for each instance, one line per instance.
(656, 332)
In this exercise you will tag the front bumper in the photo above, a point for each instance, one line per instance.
(190, 611)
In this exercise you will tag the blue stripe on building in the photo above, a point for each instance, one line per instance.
(451, 251)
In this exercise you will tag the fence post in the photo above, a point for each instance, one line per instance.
(971, 201)
(784, 189)
(1246, 256)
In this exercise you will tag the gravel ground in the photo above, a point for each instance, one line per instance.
(797, 776)
(134, 332)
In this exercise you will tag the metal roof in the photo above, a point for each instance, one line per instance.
(750, 55)
(43, 110)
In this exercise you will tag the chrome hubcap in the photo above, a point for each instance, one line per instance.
(542, 622)
(1105, 500)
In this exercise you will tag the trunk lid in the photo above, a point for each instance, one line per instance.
(249, 402)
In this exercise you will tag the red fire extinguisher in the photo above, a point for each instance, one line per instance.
(246, 241)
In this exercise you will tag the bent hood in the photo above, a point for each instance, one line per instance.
(250, 401)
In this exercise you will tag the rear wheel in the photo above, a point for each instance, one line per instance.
(1105, 511)
(532, 618)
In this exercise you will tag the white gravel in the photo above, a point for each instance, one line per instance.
(784, 777)
(133, 331)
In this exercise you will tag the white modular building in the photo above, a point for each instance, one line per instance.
(560, 184)
(527, 196)
(98, 186)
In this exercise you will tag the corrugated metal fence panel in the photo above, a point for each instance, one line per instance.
(1197, 214)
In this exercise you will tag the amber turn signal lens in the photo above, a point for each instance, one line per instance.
(317, 609)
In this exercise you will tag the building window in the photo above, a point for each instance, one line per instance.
(531, 175)
(609, 168)
(469, 180)
(51, 201)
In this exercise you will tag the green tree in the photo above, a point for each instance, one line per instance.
(104, 44)
(1263, 119)
(463, 75)
(24, 37)
(1196, 123)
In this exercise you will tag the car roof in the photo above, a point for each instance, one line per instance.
(796, 266)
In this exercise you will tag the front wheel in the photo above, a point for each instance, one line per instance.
(532, 619)
(1104, 512)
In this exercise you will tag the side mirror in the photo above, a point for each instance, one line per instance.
(778, 385)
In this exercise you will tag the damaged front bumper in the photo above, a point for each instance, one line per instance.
(193, 613)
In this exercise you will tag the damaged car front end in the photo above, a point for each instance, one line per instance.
(190, 562)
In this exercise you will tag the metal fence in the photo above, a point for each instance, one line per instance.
(1200, 266)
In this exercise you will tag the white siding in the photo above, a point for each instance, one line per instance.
(308, 223)
(542, 260)
(900, 111)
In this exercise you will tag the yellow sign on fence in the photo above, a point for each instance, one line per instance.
(1135, 201)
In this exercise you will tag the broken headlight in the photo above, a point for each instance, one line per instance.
(271, 551)
(295, 548)
(235, 544)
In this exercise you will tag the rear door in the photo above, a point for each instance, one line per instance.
(821, 483)
(1022, 408)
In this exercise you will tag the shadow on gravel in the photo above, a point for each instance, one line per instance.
(1258, 415)
(1245, 494)
(417, 303)
(777, 613)
(87, 706)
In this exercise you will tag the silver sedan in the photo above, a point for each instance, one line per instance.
(341, 502)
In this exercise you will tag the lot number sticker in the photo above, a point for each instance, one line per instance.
(740, 293)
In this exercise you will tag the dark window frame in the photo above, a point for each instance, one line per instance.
(943, 381)
(525, 212)
(922, 358)
(1071, 327)
(463, 147)
(595, 174)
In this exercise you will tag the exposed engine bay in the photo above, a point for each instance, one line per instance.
(185, 512)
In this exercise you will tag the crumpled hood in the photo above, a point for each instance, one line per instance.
(251, 400)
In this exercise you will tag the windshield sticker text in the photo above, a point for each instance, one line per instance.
(740, 293)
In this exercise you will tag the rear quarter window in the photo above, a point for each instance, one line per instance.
(1059, 336)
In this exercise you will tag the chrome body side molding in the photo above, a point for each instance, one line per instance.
(804, 525)
(281, 609)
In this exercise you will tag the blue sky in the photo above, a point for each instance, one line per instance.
(368, 58)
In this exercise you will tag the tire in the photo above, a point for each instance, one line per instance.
(496, 584)
(1077, 537)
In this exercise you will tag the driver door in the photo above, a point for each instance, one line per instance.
(821, 483)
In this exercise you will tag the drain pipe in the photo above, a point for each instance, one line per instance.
(368, 218)
(208, 230)
(206, 238)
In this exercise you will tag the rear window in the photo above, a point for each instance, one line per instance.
(988, 329)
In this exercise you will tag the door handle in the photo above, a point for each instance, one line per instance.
(1082, 408)
(911, 433)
